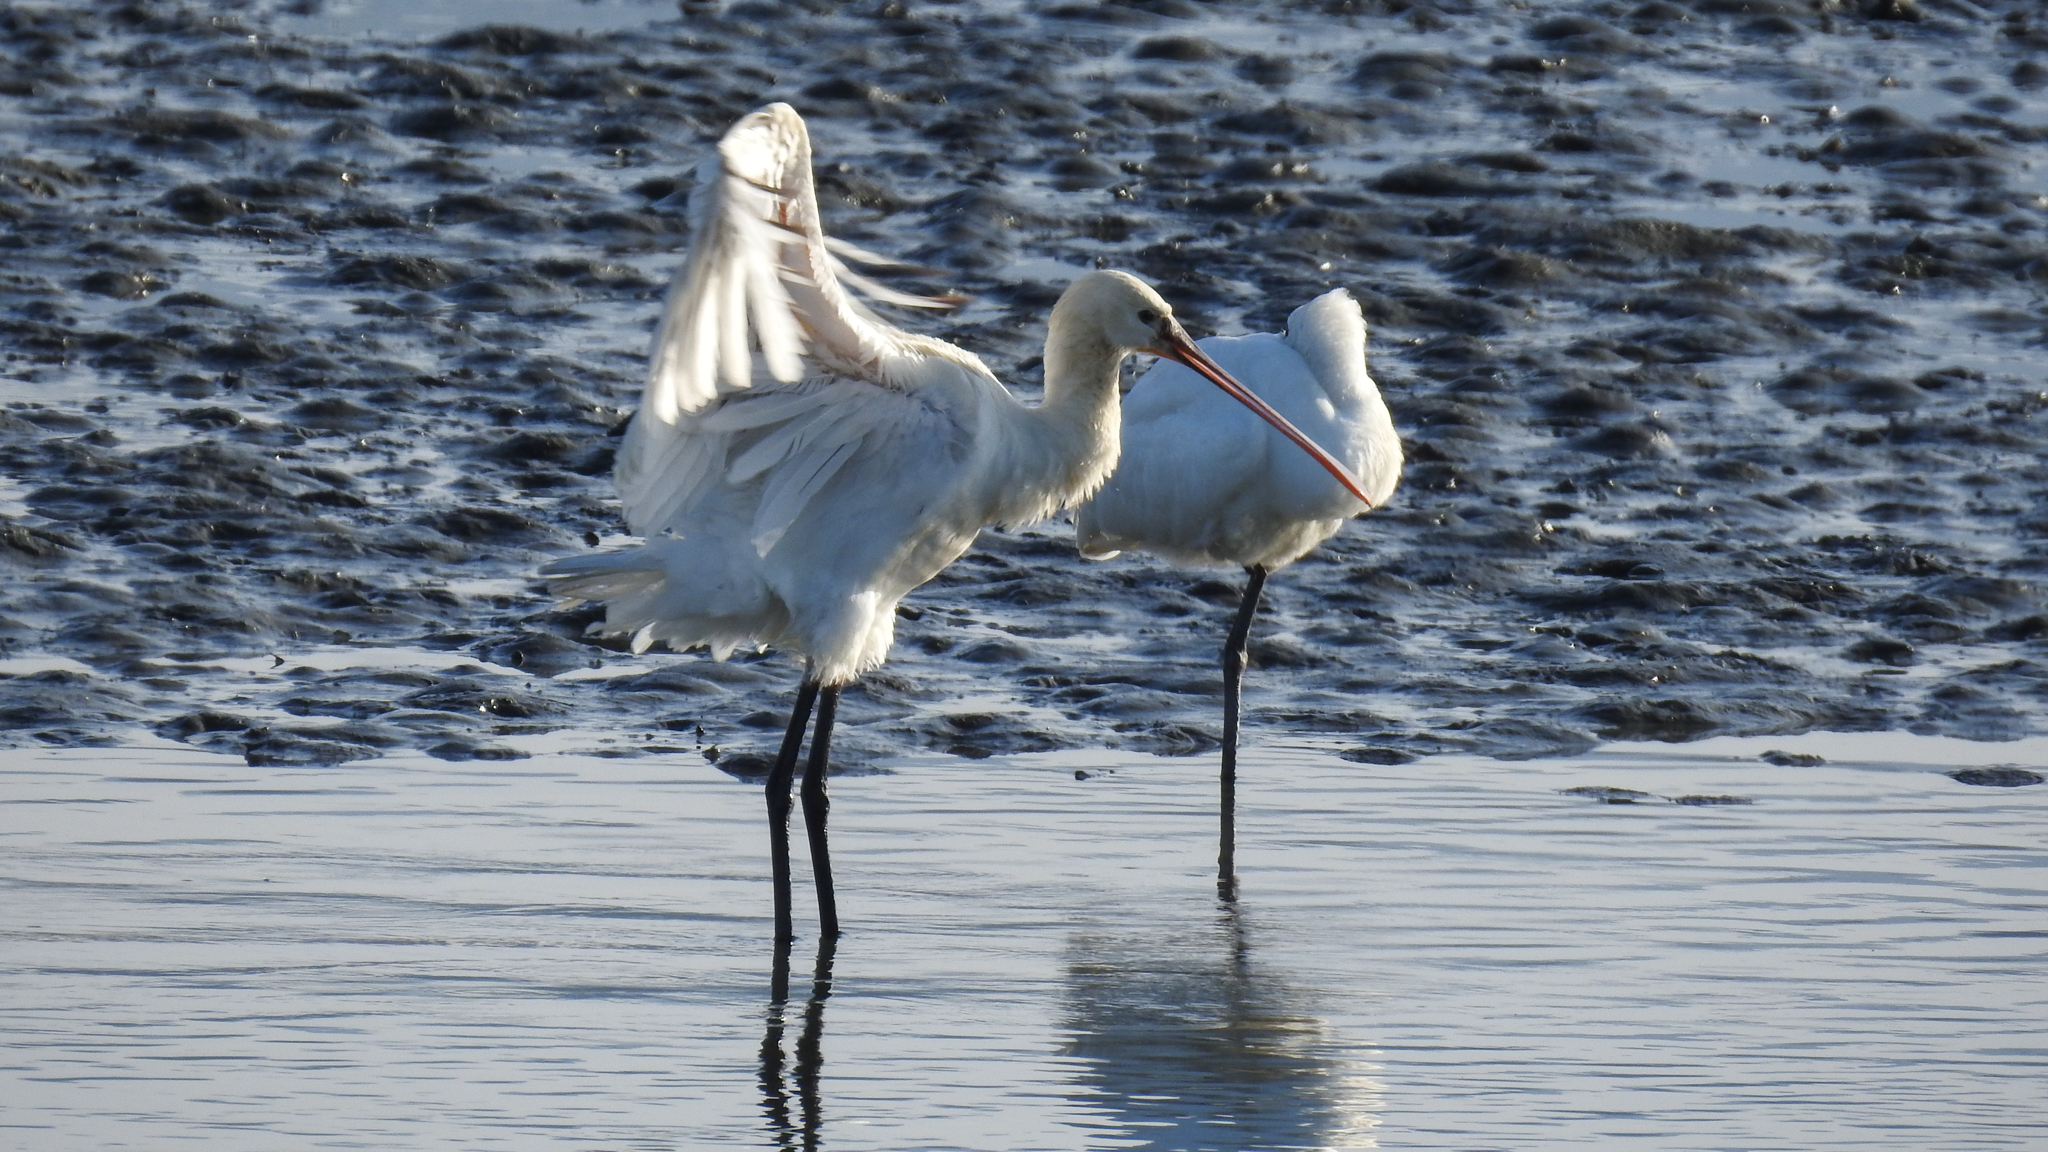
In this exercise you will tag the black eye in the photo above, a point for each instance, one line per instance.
(1148, 316)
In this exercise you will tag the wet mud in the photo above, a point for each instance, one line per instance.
(1714, 329)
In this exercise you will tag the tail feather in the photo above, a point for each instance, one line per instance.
(630, 591)
(602, 577)
(662, 592)
(1330, 332)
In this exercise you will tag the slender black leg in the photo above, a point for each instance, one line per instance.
(779, 779)
(810, 1051)
(778, 978)
(816, 808)
(1233, 683)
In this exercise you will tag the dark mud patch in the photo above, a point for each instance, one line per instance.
(1997, 777)
(1714, 333)
(1607, 795)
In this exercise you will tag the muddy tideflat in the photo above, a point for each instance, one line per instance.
(1714, 331)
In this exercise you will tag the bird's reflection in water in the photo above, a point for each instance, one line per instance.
(801, 1130)
(1185, 1045)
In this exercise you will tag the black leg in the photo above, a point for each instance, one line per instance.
(779, 779)
(1233, 683)
(817, 807)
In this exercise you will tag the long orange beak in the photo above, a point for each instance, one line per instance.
(1181, 348)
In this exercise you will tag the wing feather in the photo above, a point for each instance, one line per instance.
(855, 421)
(765, 456)
(735, 362)
(759, 292)
(875, 290)
(791, 489)
(768, 303)
(689, 472)
(760, 411)
(771, 449)
(847, 249)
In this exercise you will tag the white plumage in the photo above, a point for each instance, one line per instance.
(797, 465)
(1202, 481)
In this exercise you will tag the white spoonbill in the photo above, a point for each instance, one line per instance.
(1201, 482)
(797, 465)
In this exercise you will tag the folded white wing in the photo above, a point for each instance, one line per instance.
(758, 293)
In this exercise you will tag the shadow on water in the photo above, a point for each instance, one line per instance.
(802, 1130)
(1187, 1045)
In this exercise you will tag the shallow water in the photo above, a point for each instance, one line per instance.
(573, 952)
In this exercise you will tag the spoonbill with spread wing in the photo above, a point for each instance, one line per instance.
(1200, 482)
(797, 465)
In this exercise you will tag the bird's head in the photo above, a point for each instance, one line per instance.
(1124, 313)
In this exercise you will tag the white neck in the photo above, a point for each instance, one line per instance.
(1059, 453)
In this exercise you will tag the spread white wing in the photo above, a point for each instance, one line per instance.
(761, 458)
(759, 293)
